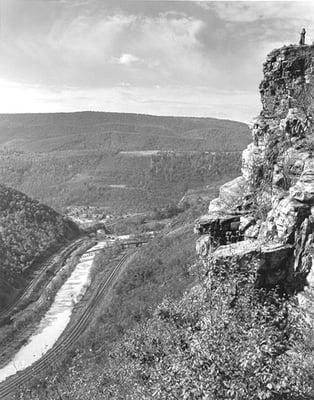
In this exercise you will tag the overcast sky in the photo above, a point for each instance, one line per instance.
(157, 57)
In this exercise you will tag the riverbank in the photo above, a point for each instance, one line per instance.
(14, 335)
(42, 368)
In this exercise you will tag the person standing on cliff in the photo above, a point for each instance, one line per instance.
(302, 37)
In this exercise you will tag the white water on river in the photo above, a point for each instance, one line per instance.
(57, 317)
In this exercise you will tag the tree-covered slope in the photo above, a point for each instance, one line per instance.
(28, 230)
(121, 182)
(111, 159)
(119, 131)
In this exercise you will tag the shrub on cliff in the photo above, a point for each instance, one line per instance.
(216, 343)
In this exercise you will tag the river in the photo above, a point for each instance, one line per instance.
(56, 318)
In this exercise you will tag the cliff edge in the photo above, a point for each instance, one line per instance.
(264, 219)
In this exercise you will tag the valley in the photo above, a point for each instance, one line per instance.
(112, 288)
(35, 344)
(152, 246)
(41, 350)
(124, 190)
(34, 337)
(124, 162)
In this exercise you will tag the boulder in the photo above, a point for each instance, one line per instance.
(303, 190)
(271, 263)
(220, 228)
(232, 193)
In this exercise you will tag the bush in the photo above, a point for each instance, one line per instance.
(216, 343)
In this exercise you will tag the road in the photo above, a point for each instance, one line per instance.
(71, 335)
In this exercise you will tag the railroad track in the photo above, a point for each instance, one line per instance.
(65, 253)
(13, 383)
(124, 244)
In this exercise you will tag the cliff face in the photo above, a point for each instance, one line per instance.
(264, 219)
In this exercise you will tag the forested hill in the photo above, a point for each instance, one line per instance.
(119, 131)
(116, 160)
(28, 230)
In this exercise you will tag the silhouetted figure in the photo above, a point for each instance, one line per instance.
(302, 37)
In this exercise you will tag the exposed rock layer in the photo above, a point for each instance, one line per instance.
(267, 214)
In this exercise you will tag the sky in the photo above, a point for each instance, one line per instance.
(189, 58)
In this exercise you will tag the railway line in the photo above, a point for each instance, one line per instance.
(56, 258)
(67, 340)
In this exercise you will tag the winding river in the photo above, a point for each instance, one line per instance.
(56, 318)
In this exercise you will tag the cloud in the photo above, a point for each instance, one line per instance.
(127, 59)
(252, 11)
(169, 100)
(92, 49)
(139, 55)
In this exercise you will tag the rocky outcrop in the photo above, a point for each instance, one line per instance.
(267, 214)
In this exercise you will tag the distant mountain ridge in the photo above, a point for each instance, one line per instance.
(102, 159)
(119, 131)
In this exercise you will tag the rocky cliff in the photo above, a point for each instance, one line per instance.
(264, 219)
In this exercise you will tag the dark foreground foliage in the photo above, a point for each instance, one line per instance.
(213, 344)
